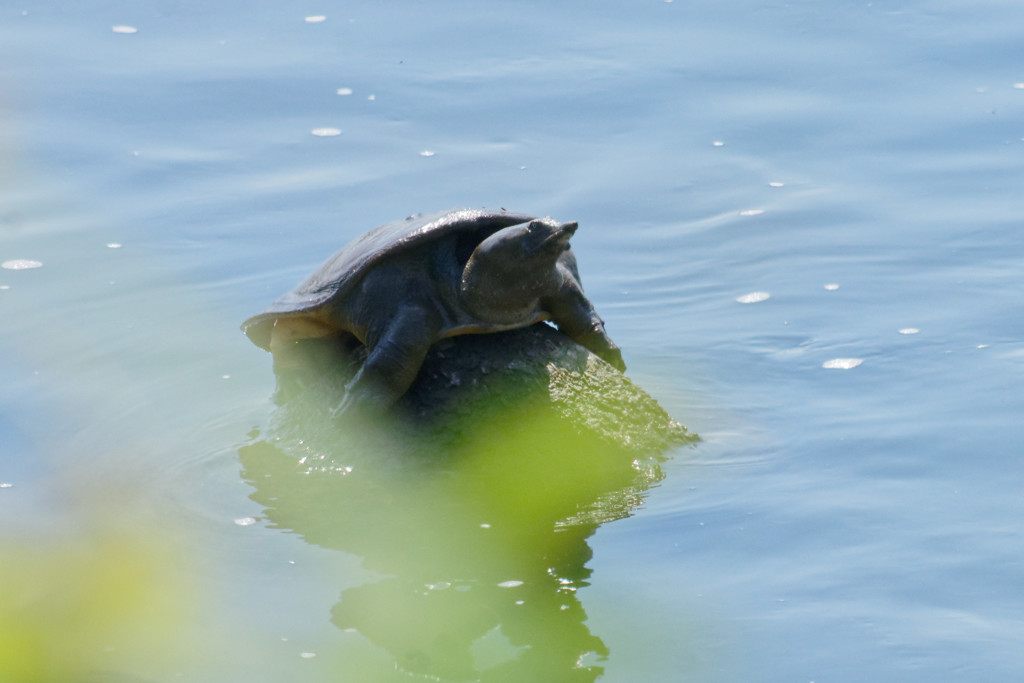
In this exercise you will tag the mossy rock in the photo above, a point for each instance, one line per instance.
(496, 385)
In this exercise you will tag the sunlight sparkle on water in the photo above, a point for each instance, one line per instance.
(831, 286)
(20, 264)
(751, 212)
(124, 29)
(510, 584)
(326, 132)
(344, 91)
(316, 19)
(842, 363)
(245, 521)
(427, 153)
(909, 330)
(753, 297)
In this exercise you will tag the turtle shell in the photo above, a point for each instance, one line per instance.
(336, 276)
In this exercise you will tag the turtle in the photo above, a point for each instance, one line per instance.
(405, 285)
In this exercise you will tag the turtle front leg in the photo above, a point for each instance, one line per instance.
(575, 317)
(395, 356)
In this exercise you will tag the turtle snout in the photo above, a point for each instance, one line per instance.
(558, 237)
(563, 231)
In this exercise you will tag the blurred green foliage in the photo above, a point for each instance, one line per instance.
(106, 605)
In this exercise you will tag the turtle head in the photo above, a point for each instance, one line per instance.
(512, 269)
(544, 236)
(541, 241)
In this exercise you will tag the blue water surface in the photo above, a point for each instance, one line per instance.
(176, 166)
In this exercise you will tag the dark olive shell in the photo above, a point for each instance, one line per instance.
(336, 276)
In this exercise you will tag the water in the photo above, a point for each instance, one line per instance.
(834, 524)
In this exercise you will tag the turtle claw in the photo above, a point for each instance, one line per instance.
(361, 400)
(340, 409)
(613, 357)
(601, 345)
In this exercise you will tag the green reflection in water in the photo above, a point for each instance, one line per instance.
(480, 544)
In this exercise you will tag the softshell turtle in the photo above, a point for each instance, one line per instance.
(403, 286)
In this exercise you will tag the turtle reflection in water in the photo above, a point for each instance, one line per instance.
(406, 285)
